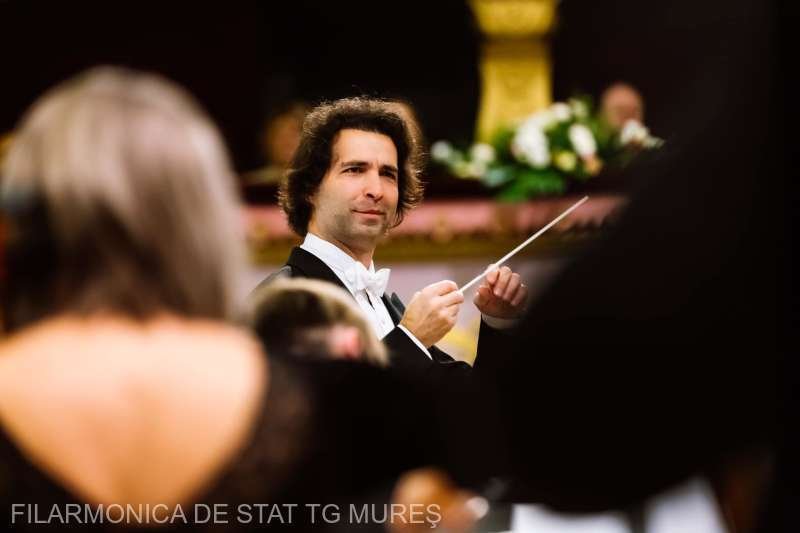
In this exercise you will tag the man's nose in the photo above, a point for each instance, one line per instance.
(372, 185)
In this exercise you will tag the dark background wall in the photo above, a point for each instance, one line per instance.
(211, 49)
(241, 58)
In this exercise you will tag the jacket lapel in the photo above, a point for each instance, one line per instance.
(307, 265)
(395, 307)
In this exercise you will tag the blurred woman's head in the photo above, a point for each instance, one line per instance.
(119, 197)
(311, 318)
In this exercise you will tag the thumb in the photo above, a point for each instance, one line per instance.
(492, 273)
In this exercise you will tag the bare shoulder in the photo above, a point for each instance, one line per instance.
(115, 410)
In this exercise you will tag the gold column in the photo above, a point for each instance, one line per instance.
(515, 60)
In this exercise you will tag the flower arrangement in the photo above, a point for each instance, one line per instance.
(547, 150)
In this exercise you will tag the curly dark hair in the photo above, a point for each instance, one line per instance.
(313, 156)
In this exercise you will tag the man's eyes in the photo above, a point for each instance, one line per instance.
(358, 170)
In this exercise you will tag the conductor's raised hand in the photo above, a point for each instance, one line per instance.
(433, 311)
(502, 294)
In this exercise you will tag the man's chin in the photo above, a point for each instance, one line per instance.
(370, 231)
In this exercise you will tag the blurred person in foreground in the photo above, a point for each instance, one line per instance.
(311, 318)
(120, 380)
(658, 351)
(354, 176)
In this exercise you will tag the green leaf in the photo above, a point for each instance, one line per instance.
(513, 193)
(501, 140)
(531, 183)
(558, 137)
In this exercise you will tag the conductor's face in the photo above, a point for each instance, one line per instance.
(357, 198)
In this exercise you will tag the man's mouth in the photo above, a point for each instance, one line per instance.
(369, 211)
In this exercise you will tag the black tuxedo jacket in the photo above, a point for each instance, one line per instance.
(404, 353)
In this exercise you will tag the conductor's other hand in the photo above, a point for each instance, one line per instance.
(502, 294)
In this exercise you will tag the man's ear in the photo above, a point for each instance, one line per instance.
(345, 342)
(311, 203)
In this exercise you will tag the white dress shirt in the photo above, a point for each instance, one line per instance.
(344, 267)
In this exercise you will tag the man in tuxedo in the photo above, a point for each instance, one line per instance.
(354, 176)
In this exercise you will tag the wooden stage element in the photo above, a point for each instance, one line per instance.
(459, 228)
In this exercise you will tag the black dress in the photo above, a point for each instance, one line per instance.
(330, 433)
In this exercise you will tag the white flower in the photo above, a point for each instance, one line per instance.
(579, 108)
(476, 169)
(561, 111)
(483, 153)
(652, 142)
(542, 120)
(530, 145)
(633, 131)
(582, 140)
(565, 161)
(441, 151)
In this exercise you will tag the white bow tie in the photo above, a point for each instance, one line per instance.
(363, 279)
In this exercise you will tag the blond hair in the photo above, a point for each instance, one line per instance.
(139, 196)
(286, 313)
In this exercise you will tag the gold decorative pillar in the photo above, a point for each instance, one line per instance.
(515, 60)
